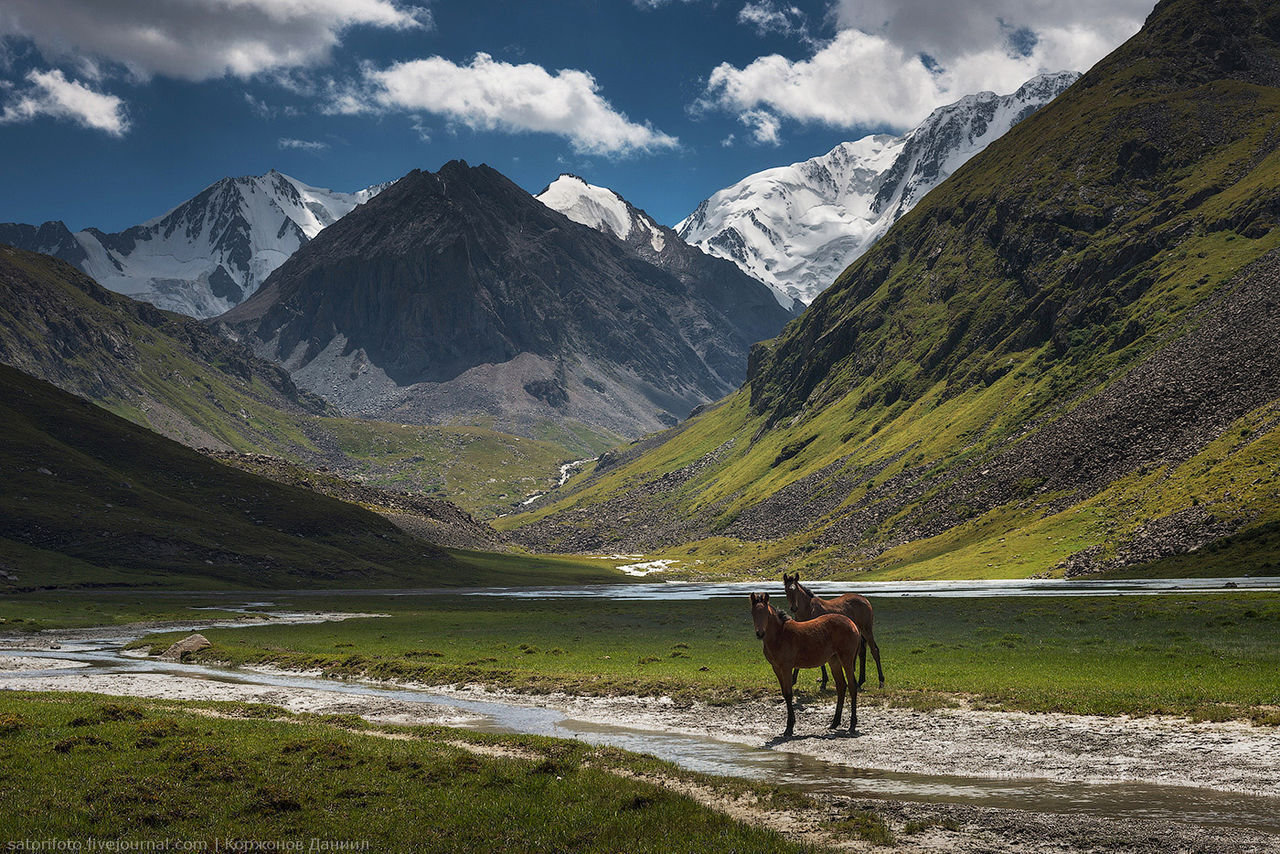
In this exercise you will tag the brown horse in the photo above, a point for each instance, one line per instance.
(788, 644)
(806, 606)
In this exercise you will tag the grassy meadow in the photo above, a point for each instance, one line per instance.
(1204, 656)
(76, 767)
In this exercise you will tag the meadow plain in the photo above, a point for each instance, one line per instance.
(1207, 657)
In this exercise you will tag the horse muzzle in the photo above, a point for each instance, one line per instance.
(760, 635)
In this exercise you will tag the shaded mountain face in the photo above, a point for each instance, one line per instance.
(720, 281)
(1058, 361)
(91, 499)
(457, 295)
(797, 227)
(164, 370)
(206, 255)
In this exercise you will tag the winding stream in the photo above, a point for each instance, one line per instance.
(1111, 801)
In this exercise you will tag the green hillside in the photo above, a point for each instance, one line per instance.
(182, 379)
(90, 499)
(1061, 361)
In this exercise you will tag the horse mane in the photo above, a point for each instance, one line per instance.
(805, 590)
(783, 616)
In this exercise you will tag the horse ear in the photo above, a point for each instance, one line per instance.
(764, 597)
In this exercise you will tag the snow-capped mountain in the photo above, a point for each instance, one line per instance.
(797, 227)
(602, 209)
(209, 253)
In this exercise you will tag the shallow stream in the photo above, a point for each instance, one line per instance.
(768, 762)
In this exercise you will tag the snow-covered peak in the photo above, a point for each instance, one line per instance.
(212, 251)
(797, 227)
(600, 208)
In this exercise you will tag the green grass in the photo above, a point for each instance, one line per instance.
(74, 767)
(485, 472)
(1205, 656)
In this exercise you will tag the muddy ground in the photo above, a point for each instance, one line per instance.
(1227, 757)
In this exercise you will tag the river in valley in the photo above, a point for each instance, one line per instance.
(1044, 782)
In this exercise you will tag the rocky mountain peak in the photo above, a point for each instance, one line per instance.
(457, 293)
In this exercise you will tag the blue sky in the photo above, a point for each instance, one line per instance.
(113, 111)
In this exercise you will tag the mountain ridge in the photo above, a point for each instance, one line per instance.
(797, 227)
(207, 253)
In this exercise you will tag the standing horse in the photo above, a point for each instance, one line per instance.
(806, 606)
(788, 644)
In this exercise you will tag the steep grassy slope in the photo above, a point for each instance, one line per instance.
(1062, 360)
(91, 499)
(183, 380)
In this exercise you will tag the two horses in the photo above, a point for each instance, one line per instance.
(830, 639)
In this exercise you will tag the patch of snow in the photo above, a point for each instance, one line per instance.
(647, 568)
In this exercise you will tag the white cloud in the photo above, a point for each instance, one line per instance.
(198, 39)
(894, 61)
(769, 16)
(764, 126)
(954, 28)
(303, 144)
(490, 95)
(52, 94)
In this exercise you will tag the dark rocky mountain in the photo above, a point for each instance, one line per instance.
(457, 295)
(1058, 361)
(52, 238)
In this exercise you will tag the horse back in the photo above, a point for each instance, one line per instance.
(854, 606)
(814, 642)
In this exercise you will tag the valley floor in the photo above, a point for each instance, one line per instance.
(959, 743)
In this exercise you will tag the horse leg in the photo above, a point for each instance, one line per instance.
(862, 665)
(795, 675)
(824, 678)
(869, 640)
(785, 680)
(847, 661)
(837, 671)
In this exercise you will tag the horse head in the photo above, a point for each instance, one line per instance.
(791, 584)
(761, 613)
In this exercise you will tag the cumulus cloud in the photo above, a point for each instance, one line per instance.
(486, 94)
(198, 39)
(891, 62)
(51, 94)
